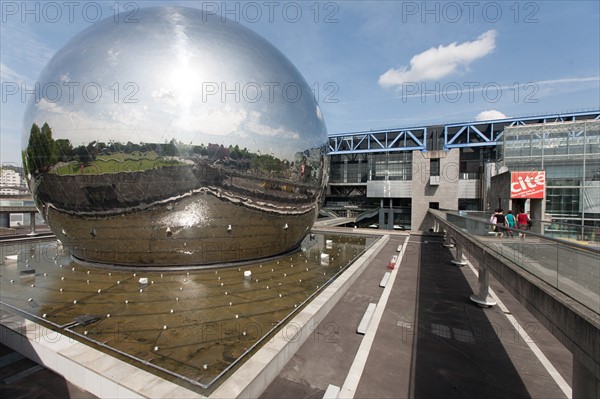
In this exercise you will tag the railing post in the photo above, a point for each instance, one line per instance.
(32, 224)
(483, 298)
(447, 240)
(458, 259)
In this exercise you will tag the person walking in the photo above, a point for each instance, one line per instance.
(522, 222)
(500, 222)
(510, 222)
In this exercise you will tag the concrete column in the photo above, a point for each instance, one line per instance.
(585, 384)
(32, 224)
(483, 298)
(458, 260)
(381, 217)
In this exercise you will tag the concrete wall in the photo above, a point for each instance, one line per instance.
(500, 189)
(446, 193)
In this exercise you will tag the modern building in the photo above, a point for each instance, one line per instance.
(11, 182)
(390, 178)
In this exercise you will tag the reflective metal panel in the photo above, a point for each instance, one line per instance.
(177, 138)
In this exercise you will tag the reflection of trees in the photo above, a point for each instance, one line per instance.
(42, 152)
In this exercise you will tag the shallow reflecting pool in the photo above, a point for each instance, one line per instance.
(192, 325)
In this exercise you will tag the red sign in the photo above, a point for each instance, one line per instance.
(527, 184)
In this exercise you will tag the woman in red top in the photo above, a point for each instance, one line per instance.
(522, 222)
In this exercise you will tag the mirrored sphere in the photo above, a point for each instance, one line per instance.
(174, 138)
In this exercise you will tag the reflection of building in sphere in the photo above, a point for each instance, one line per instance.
(176, 142)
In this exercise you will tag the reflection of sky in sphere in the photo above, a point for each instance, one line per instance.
(177, 73)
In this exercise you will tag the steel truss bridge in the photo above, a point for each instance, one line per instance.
(456, 135)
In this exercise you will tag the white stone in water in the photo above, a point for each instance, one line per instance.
(164, 327)
(75, 301)
(30, 299)
(99, 291)
(126, 301)
(155, 348)
(108, 315)
(205, 366)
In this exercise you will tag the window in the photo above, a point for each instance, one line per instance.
(434, 167)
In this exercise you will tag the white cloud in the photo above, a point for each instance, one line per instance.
(442, 61)
(7, 74)
(254, 125)
(490, 115)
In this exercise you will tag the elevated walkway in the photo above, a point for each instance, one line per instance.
(430, 341)
(558, 282)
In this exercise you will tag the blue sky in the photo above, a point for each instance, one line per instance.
(372, 64)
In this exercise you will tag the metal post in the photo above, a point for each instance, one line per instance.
(32, 224)
(458, 260)
(483, 299)
(447, 241)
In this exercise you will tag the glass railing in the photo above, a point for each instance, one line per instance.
(571, 266)
(579, 234)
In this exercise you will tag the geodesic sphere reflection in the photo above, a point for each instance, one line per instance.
(177, 138)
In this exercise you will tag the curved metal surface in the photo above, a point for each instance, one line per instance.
(177, 138)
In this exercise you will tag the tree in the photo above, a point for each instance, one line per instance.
(64, 149)
(42, 151)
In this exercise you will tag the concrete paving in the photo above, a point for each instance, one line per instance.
(432, 341)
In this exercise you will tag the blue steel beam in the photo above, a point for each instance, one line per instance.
(456, 135)
(469, 134)
(378, 141)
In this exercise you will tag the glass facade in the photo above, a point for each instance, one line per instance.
(570, 155)
(360, 168)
